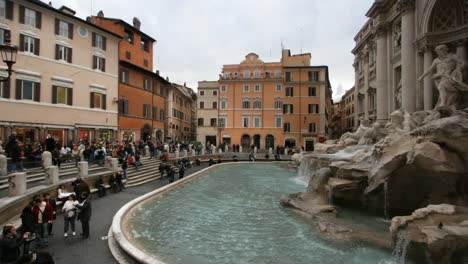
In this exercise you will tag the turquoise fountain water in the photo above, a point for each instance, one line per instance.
(233, 215)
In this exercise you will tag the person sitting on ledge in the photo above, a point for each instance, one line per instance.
(62, 195)
(277, 157)
(267, 156)
(219, 160)
(234, 158)
(211, 162)
(251, 157)
(198, 162)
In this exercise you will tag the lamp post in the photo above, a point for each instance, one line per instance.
(8, 53)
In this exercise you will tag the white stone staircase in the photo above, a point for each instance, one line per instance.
(149, 171)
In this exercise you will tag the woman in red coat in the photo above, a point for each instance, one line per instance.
(43, 214)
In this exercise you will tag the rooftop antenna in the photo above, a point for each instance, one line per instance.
(91, 7)
(282, 45)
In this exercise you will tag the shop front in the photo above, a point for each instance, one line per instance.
(58, 135)
(25, 135)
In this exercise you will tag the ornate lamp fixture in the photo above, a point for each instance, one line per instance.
(8, 53)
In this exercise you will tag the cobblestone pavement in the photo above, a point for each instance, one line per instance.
(74, 249)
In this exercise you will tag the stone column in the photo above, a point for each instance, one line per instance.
(462, 53)
(112, 164)
(17, 184)
(226, 148)
(428, 82)
(270, 150)
(3, 165)
(82, 169)
(408, 57)
(185, 153)
(193, 152)
(240, 149)
(52, 174)
(147, 151)
(46, 159)
(203, 151)
(177, 153)
(381, 73)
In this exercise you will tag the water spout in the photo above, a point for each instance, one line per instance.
(401, 247)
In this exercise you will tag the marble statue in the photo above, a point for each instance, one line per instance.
(448, 77)
(350, 138)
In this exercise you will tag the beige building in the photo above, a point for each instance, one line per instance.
(180, 113)
(208, 128)
(63, 84)
(394, 48)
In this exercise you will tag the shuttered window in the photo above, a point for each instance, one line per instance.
(27, 90)
(5, 89)
(63, 53)
(29, 44)
(98, 100)
(30, 17)
(99, 41)
(99, 63)
(62, 95)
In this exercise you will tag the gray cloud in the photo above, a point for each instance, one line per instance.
(196, 37)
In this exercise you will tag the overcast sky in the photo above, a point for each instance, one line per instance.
(196, 37)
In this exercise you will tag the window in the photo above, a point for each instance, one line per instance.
(99, 63)
(27, 90)
(98, 100)
(312, 127)
(246, 103)
(245, 121)
(288, 77)
(146, 110)
(257, 74)
(313, 108)
(267, 75)
(202, 93)
(63, 53)
(144, 43)
(246, 75)
(222, 122)
(312, 91)
(200, 121)
(123, 107)
(29, 44)
(227, 75)
(278, 103)
(313, 75)
(162, 114)
(213, 122)
(290, 91)
(155, 86)
(202, 105)
(257, 104)
(128, 55)
(30, 17)
(145, 62)
(99, 41)
(215, 93)
(223, 88)
(4, 35)
(287, 127)
(5, 90)
(257, 88)
(128, 36)
(278, 122)
(257, 121)
(155, 113)
(124, 76)
(278, 87)
(246, 88)
(62, 95)
(288, 109)
(63, 29)
(223, 104)
(3, 8)
(215, 105)
(278, 74)
(146, 83)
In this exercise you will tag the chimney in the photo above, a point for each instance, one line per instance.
(136, 23)
(67, 10)
(100, 14)
(286, 53)
(185, 85)
(157, 72)
(167, 78)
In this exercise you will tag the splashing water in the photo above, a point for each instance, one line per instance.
(386, 201)
(400, 250)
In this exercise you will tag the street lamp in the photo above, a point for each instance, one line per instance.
(8, 53)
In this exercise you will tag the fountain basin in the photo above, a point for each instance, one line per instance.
(229, 213)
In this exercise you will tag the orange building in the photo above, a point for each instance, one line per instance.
(142, 92)
(267, 104)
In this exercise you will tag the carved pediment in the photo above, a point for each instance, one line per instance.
(252, 58)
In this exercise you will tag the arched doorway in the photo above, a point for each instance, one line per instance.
(269, 142)
(256, 140)
(290, 143)
(245, 142)
(145, 132)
